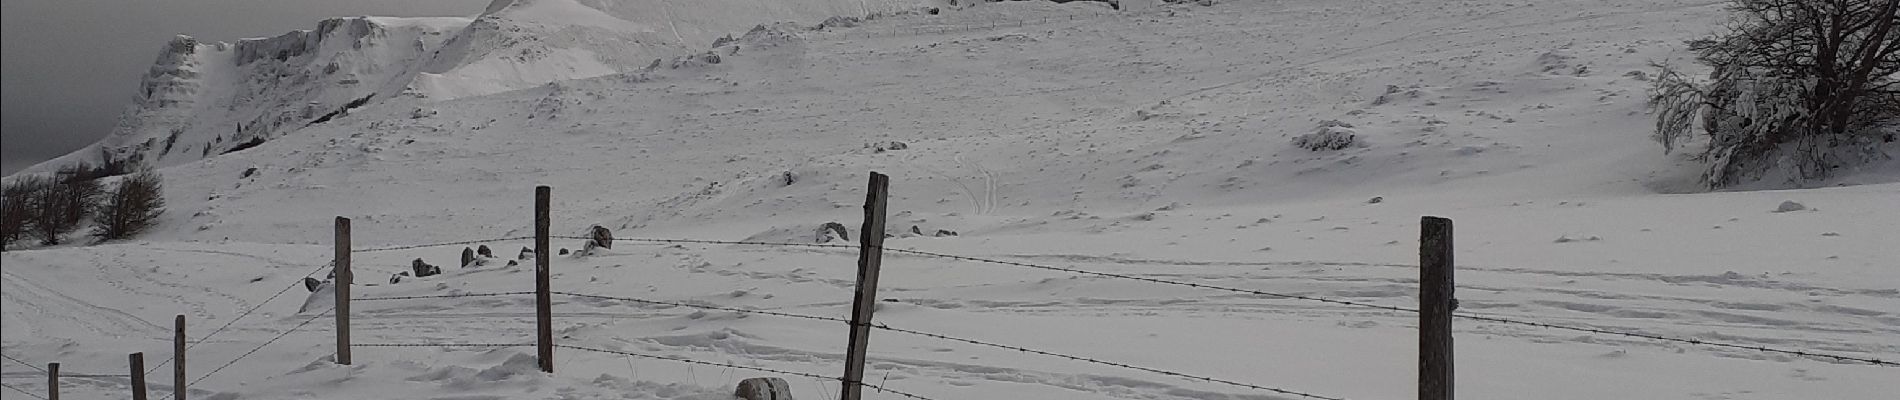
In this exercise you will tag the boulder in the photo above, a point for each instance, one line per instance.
(563, 251)
(946, 232)
(601, 236)
(423, 269)
(484, 252)
(526, 253)
(764, 389)
(832, 230)
(311, 284)
(468, 257)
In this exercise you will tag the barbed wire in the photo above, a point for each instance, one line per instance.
(457, 243)
(440, 296)
(441, 344)
(1105, 362)
(1700, 342)
(1155, 280)
(702, 241)
(1465, 315)
(970, 341)
(233, 321)
(23, 391)
(254, 350)
(64, 375)
(705, 307)
(34, 367)
(746, 367)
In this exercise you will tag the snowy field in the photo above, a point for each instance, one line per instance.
(1155, 144)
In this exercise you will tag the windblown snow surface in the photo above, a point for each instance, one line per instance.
(1155, 143)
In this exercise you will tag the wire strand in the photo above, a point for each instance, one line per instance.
(705, 307)
(254, 350)
(1475, 317)
(23, 391)
(227, 324)
(1108, 363)
(34, 367)
(441, 344)
(440, 296)
(457, 243)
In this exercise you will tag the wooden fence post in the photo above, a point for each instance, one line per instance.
(342, 286)
(178, 358)
(870, 255)
(52, 381)
(1435, 304)
(543, 304)
(138, 375)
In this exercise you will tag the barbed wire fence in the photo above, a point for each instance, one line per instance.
(868, 247)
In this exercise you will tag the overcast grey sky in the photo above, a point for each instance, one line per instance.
(67, 67)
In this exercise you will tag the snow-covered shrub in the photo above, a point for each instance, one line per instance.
(1332, 135)
(1796, 89)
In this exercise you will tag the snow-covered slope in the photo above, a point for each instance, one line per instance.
(517, 44)
(1158, 144)
(202, 99)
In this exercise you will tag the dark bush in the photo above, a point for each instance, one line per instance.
(16, 206)
(130, 208)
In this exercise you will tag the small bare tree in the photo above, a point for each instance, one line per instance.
(1801, 86)
(16, 206)
(131, 207)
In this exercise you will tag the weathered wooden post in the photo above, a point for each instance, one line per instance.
(178, 358)
(543, 302)
(870, 255)
(342, 286)
(138, 375)
(52, 381)
(1435, 304)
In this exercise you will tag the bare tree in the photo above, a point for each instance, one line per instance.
(131, 207)
(1802, 85)
(16, 206)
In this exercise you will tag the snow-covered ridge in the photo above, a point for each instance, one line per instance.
(202, 99)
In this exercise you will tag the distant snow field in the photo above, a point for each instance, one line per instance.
(1285, 147)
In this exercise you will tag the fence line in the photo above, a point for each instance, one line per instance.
(441, 344)
(23, 391)
(457, 243)
(1465, 315)
(34, 367)
(957, 339)
(1350, 303)
(64, 375)
(1104, 362)
(746, 367)
(730, 242)
(227, 324)
(254, 350)
(440, 296)
(704, 307)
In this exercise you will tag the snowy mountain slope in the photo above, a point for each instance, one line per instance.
(517, 44)
(202, 99)
(1156, 144)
